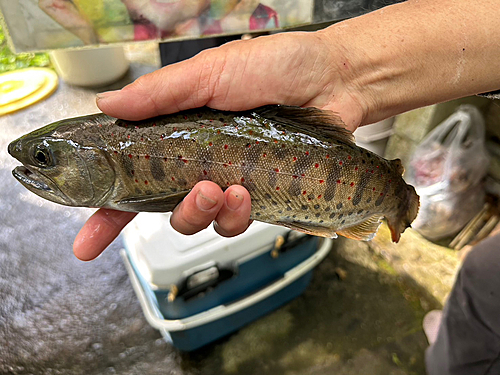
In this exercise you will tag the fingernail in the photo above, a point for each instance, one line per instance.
(234, 200)
(106, 94)
(204, 203)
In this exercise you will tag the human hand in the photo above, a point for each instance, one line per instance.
(300, 69)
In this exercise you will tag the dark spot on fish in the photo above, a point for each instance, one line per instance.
(257, 214)
(321, 221)
(343, 222)
(138, 191)
(316, 206)
(332, 215)
(359, 212)
(304, 207)
(289, 208)
(341, 216)
(369, 200)
(350, 213)
(268, 196)
(280, 211)
(173, 190)
(262, 207)
(318, 214)
(128, 165)
(274, 203)
(327, 209)
(148, 192)
(294, 216)
(339, 206)
(157, 169)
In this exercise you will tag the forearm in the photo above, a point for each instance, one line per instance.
(418, 53)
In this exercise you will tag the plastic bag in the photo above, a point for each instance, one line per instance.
(447, 171)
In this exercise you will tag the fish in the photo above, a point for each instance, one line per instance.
(301, 167)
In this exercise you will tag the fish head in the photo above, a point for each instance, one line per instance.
(62, 170)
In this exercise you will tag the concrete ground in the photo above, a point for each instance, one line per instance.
(360, 315)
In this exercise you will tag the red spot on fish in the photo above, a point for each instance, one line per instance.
(276, 170)
(309, 199)
(340, 162)
(130, 156)
(218, 131)
(374, 189)
(250, 132)
(277, 187)
(338, 181)
(381, 194)
(116, 152)
(302, 174)
(349, 198)
(304, 192)
(205, 172)
(175, 129)
(242, 179)
(256, 142)
(275, 141)
(161, 137)
(349, 157)
(352, 184)
(321, 181)
(373, 171)
(142, 138)
(128, 136)
(173, 178)
(132, 171)
(229, 162)
(225, 147)
(147, 157)
(165, 159)
(199, 115)
(378, 166)
(112, 134)
(210, 144)
(185, 117)
(307, 152)
(319, 196)
(264, 154)
(179, 157)
(224, 165)
(146, 182)
(328, 156)
(227, 183)
(136, 180)
(356, 168)
(249, 145)
(100, 125)
(154, 124)
(211, 120)
(390, 180)
(136, 127)
(185, 161)
(295, 176)
(316, 165)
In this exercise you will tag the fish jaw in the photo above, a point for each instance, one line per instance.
(40, 185)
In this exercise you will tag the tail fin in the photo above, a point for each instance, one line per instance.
(408, 212)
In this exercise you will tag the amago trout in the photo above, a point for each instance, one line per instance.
(301, 167)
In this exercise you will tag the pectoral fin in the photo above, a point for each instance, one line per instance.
(152, 203)
(315, 230)
(364, 231)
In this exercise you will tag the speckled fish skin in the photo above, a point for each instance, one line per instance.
(300, 166)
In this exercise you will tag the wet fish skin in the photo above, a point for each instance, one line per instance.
(301, 168)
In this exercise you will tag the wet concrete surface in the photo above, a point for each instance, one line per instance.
(62, 316)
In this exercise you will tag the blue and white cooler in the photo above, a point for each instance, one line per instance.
(197, 289)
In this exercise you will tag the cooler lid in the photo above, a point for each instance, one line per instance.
(164, 257)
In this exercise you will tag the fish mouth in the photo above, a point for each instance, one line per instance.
(30, 179)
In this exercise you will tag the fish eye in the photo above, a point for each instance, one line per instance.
(41, 156)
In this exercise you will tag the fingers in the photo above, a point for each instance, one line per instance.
(206, 203)
(99, 231)
(234, 215)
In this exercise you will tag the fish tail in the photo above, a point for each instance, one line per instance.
(405, 216)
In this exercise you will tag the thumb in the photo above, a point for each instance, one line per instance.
(171, 89)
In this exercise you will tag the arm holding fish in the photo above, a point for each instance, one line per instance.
(365, 69)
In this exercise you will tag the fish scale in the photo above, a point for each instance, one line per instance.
(301, 167)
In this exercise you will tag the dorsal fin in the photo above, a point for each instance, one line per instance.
(313, 121)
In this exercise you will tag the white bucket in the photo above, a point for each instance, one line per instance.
(374, 137)
(90, 67)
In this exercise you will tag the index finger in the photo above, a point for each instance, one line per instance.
(99, 231)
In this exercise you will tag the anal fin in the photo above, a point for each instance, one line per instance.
(152, 203)
(315, 230)
(364, 231)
